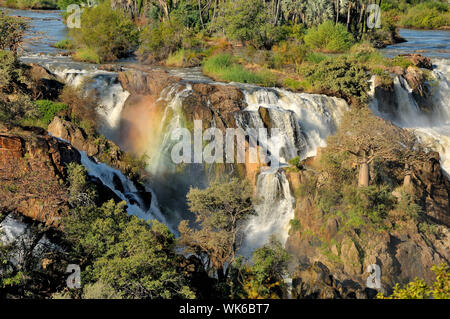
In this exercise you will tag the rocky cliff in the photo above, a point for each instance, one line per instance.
(32, 172)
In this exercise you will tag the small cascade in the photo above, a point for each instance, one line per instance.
(433, 130)
(317, 117)
(274, 207)
(126, 190)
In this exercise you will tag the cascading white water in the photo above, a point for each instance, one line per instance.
(433, 130)
(305, 121)
(317, 115)
(274, 207)
(125, 190)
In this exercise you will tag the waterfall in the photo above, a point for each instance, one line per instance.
(274, 207)
(304, 121)
(126, 190)
(433, 130)
(316, 115)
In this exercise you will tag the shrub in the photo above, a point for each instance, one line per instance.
(165, 38)
(12, 31)
(48, 110)
(292, 84)
(110, 33)
(428, 15)
(184, 58)
(288, 53)
(328, 37)
(418, 289)
(249, 21)
(341, 76)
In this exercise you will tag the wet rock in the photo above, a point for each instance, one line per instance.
(419, 60)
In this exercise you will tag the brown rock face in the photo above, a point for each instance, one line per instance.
(32, 170)
(146, 83)
(433, 188)
(419, 60)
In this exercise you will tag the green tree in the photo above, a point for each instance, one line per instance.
(12, 31)
(134, 257)
(109, 33)
(220, 212)
(418, 289)
(247, 21)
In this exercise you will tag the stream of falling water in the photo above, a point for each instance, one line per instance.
(432, 129)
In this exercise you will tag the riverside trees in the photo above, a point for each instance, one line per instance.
(220, 212)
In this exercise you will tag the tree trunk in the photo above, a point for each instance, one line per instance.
(348, 15)
(363, 179)
(407, 179)
(337, 11)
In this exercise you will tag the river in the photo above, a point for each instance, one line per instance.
(306, 120)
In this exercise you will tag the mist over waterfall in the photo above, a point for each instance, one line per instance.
(275, 208)
(145, 125)
(431, 128)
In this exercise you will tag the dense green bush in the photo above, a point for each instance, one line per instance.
(328, 37)
(48, 110)
(427, 15)
(159, 40)
(250, 21)
(109, 33)
(342, 76)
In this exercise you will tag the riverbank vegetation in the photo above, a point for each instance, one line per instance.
(292, 44)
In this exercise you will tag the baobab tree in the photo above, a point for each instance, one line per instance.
(367, 137)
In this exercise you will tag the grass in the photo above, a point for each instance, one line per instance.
(86, 55)
(64, 44)
(223, 67)
(183, 58)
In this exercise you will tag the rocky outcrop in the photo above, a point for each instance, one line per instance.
(433, 188)
(149, 82)
(419, 60)
(71, 133)
(32, 172)
(317, 282)
(334, 254)
(44, 85)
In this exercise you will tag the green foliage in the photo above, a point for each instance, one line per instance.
(287, 52)
(49, 109)
(249, 21)
(427, 15)
(329, 37)
(81, 192)
(12, 31)
(108, 33)
(184, 58)
(220, 211)
(31, 4)
(87, 55)
(418, 289)
(340, 76)
(134, 257)
(292, 84)
(162, 39)
(100, 290)
(223, 67)
(270, 262)
(63, 4)
(64, 44)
